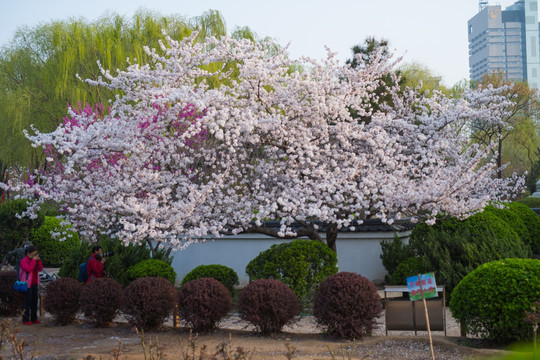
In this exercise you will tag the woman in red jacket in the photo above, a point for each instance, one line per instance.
(29, 271)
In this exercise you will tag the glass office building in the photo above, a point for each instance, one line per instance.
(505, 40)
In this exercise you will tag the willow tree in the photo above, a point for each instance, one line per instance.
(40, 70)
(515, 134)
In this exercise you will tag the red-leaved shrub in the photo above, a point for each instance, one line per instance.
(202, 303)
(268, 304)
(346, 305)
(62, 299)
(10, 300)
(100, 301)
(148, 301)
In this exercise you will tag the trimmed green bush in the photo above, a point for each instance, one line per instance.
(301, 264)
(408, 267)
(491, 301)
(452, 248)
(221, 273)
(53, 252)
(151, 267)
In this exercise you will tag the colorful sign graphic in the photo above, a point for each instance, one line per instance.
(425, 284)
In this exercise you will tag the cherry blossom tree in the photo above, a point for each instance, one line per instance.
(177, 160)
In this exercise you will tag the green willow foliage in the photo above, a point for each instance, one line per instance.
(39, 68)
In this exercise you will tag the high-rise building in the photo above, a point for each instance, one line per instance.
(505, 40)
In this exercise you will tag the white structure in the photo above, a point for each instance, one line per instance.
(537, 193)
(358, 252)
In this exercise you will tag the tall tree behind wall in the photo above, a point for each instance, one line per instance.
(38, 69)
(517, 139)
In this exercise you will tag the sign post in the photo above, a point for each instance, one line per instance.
(421, 287)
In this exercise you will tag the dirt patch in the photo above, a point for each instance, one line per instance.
(83, 341)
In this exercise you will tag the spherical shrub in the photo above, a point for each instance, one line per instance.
(10, 300)
(62, 299)
(152, 267)
(100, 300)
(202, 303)
(52, 250)
(148, 301)
(491, 300)
(409, 267)
(221, 273)
(301, 264)
(346, 305)
(268, 304)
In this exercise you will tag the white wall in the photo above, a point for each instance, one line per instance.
(358, 252)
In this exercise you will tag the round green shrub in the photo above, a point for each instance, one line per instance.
(10, 300)
(202, 303)
(268, 304)
(491, 301)
(408, 267)
(61, 300)
(301, 264)
(152, 267)
(53, 251)
(148, 301)
(101, 300)
(221, 273)
(346, 305)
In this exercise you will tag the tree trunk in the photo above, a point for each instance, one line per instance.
(331, 236)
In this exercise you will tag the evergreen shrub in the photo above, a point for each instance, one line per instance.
(13, 230)
(101, 300)
(301, 264)
(268, 304)
(532, 223)
(491, 301)
(347, 305)
(76, 256)
(124, 257)
(531, 202)
(221, 273)
(61, 300)
(202, 303)
(148, 301)
(408, 267)
(151, 267)
(452, 248)
(10, 300)
(52, 251)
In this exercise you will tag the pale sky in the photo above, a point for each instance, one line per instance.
(431, 32)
